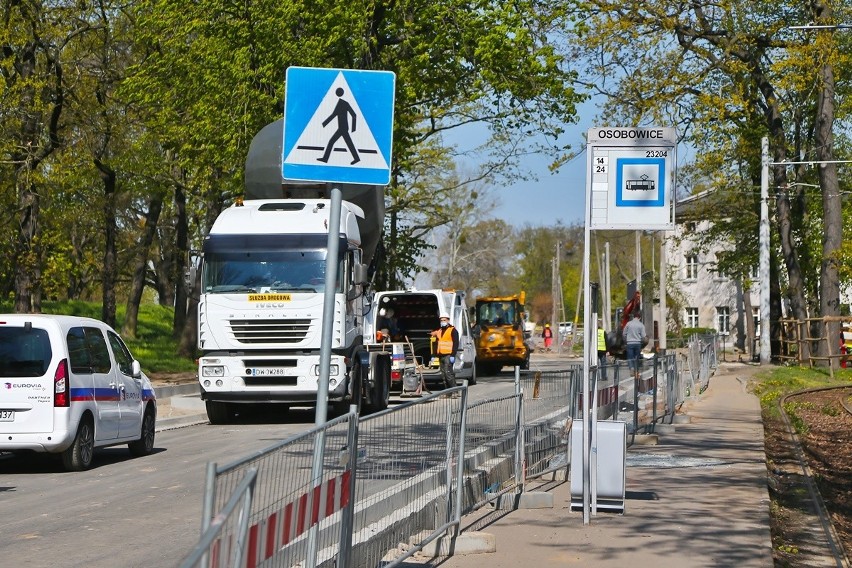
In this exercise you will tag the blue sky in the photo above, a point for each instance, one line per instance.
(553, 197)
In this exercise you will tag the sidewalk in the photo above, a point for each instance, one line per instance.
(178, 405)
(697, 499)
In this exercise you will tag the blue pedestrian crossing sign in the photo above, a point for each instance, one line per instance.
(338, 125)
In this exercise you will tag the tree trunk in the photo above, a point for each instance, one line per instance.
(140, 266)
(39, 137)
(189, 337)
(109, 272)
(26, 255)
(829, 279)
(749, 318)
(181, 253)
(775, 308)
(795, 280)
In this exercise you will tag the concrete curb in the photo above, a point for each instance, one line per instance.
(472, 542)
(181, 396)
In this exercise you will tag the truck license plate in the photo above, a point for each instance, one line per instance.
(268, 372)
(7, 415)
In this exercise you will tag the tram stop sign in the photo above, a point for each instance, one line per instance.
(631, 180)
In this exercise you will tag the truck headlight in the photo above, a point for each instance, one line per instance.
(333, 370)
(213, 371)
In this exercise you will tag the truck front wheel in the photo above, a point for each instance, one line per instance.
(219, 412)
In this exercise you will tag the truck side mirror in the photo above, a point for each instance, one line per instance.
(359, 274)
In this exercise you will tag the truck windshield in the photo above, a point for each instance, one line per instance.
(498, 313)
(265, 271)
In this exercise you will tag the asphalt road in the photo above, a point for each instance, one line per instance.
(138, 511)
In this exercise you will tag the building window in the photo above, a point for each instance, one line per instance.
(755, 272)
(755, 315)
(691, 317)
(692, 267)
(723, 320)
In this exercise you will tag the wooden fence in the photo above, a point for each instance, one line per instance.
(795, 333)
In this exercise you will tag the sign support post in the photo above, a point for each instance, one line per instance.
(338, 128)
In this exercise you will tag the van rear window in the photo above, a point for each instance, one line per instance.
(24, 353)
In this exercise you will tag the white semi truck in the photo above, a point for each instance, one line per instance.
(260, 312)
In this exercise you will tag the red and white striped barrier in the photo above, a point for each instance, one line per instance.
(270, 535)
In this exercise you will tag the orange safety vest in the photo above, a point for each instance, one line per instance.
(445, 341)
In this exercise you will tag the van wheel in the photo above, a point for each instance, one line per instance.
(378, 396)
(78, 456)
(145, 444)
(219, 412)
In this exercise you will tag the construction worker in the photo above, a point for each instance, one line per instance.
(602, 351)
(448, 346)
(547, 334)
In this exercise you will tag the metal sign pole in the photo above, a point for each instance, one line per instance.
(331, 264)
(587, 341)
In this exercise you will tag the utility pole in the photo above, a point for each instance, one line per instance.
(553, 325)
(639, 262)
(663, 285)
(763, 240)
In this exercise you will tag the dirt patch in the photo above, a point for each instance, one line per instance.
(826, 438)
(160, 379)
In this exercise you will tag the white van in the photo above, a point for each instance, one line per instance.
(415, 314)
(69, 385)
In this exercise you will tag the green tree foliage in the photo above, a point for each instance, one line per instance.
(125, 126)
(727, 74)
(215, 70)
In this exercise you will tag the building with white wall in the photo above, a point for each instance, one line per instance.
(708, 297)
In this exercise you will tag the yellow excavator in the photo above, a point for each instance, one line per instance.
(500, 333)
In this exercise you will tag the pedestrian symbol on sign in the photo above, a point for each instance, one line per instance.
(342, 111)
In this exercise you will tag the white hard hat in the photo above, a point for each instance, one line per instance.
(444, 315)
(382, 312)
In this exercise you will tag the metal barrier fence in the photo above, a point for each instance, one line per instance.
(652, 398)
(700, 359)
(408, 476)
(551, 401)
(297, 514)
(421, 465)
(225, 523)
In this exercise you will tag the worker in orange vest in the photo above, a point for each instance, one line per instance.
(448, 346)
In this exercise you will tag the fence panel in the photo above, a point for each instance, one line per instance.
(421, 465)
(406, 476)
(294, 510)
(491, 442)
(232, 519)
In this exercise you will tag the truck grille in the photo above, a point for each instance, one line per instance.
(270, 330)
